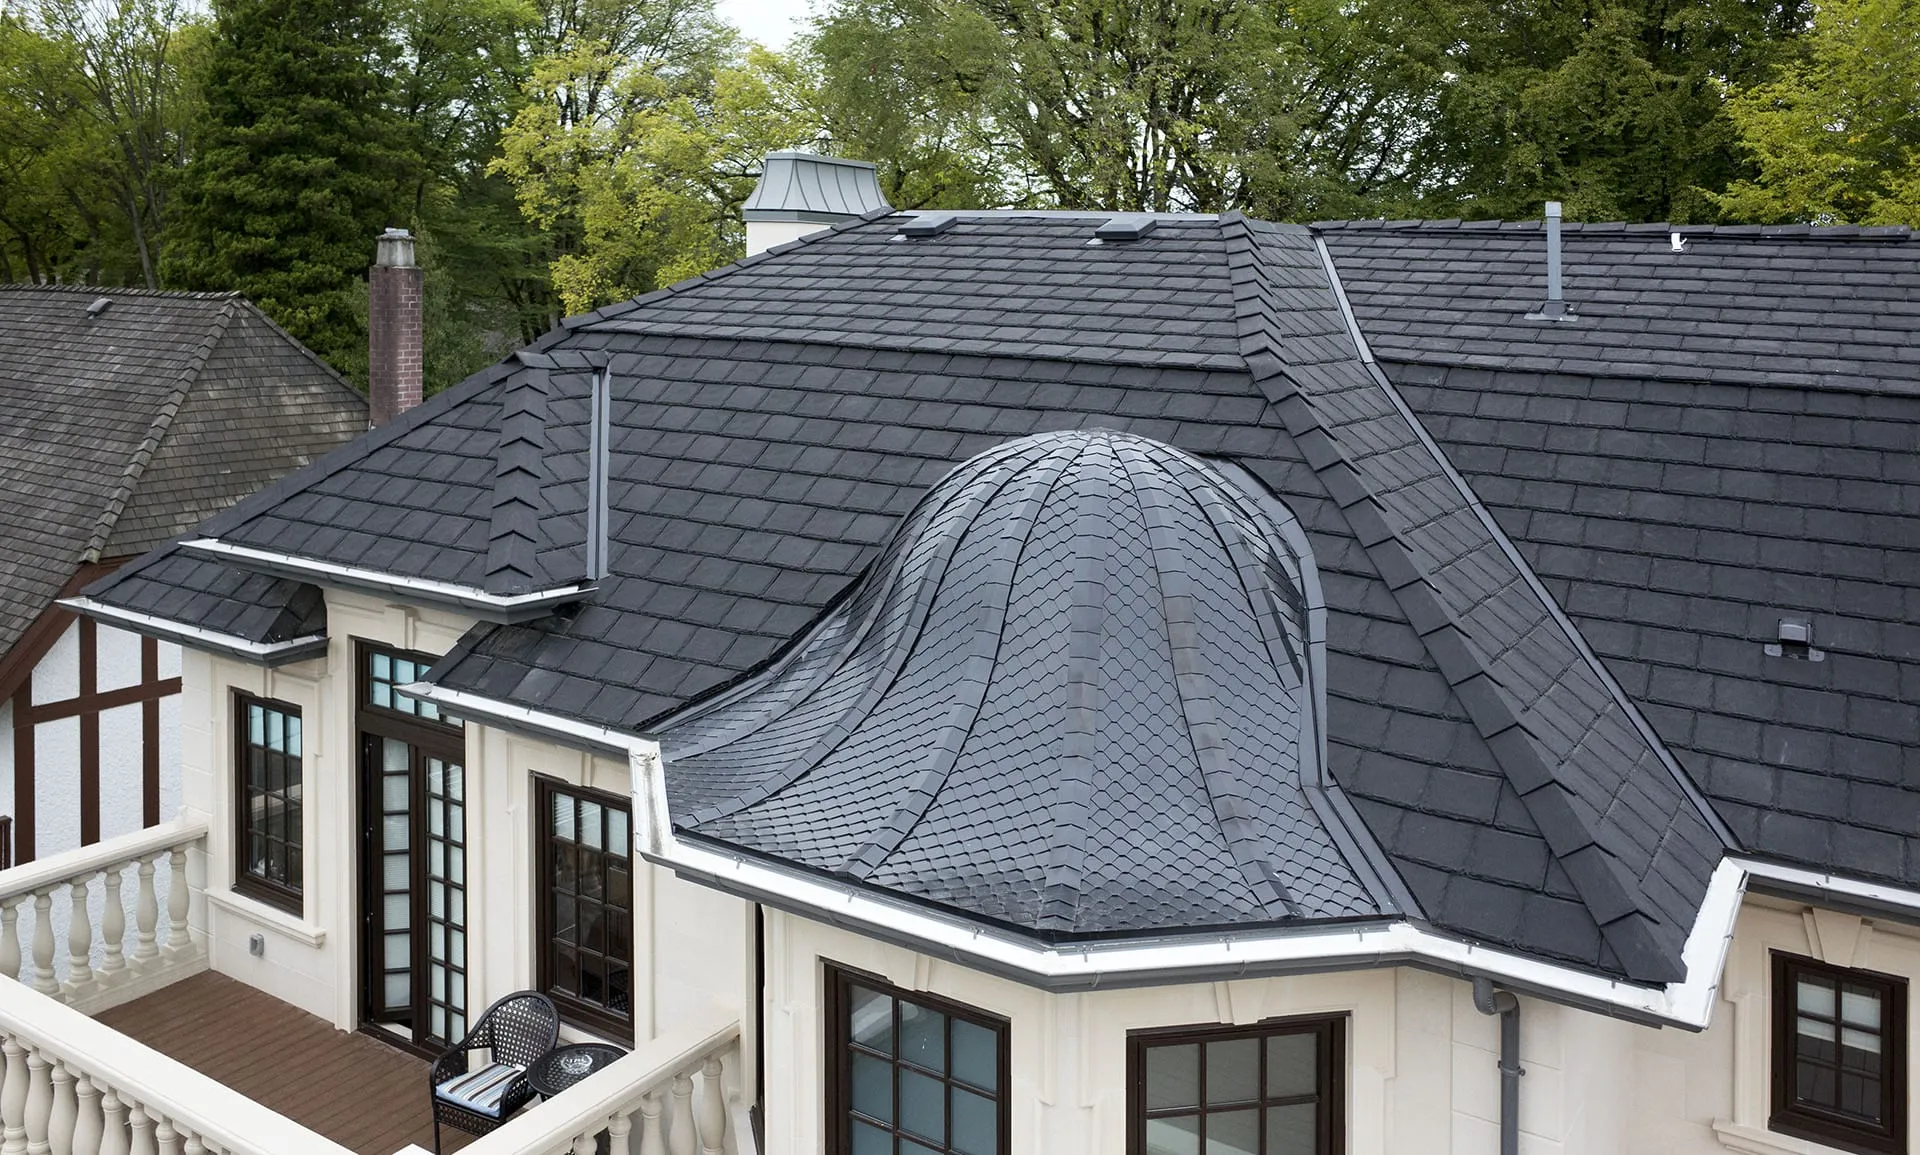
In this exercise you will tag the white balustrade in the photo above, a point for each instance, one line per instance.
(73, 1086)
(86, 888)
(668, 1097)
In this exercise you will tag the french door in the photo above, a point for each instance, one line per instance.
(413, 870)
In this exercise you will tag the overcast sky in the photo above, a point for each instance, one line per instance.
(771, 22)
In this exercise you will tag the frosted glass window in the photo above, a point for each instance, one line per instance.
(1262, 1090)
(1839, 1038)
(917, 1077)
(267, 780)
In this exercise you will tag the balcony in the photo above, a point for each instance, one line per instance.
(118, 1040)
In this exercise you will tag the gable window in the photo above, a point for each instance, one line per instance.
(1268, 1089)
(911, 1074)
(586, 905)
(267, 753)
(1839, 1055)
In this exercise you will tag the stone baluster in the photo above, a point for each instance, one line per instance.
(60, 1122)
(193, 1146)
(113, 1123)
(651, 1140)
(86, 1119)
(79, 939)
(39, 1101)
(617, 1131)
(146, 915)
(10, 938)
(113, 926)
(140, 1127)
(166, 1138)
(680, 1124)
(43, 980)
(585, 1143)
(13, 1100)
(712, 1115)
(177, 938)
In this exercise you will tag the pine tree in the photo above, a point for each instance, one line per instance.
(299, 162)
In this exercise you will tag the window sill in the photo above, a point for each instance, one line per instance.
(1760, 1141)
(272, 918)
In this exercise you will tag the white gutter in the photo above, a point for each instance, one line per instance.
(511, 606)
(1687, 1003)
(268, 653)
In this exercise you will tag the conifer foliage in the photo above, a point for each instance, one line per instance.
(298, 164)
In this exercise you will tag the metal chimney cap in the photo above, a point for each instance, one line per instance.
(808, 187)
(394, 249)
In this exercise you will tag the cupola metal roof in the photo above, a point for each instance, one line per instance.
(1075, 695)
(805, 186)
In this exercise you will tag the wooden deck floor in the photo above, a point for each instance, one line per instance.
(355, 1090)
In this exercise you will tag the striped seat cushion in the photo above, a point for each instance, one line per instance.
(480, 1091)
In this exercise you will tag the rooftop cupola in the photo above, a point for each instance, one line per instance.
(803, 192)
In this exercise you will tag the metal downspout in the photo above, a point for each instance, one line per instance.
(1488, 1001)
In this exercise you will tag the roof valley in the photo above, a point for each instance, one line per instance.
(1365, 448)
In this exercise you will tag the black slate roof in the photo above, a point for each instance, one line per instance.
(1687, 488)
(1501, 737)
(1071, 695)
(1741, 305)
(123, 426)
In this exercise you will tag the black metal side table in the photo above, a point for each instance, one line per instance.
(562, 1067)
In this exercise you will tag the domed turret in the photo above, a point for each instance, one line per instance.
(1072, 696)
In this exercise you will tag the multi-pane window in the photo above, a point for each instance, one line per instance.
(267, 801)
(915, 1075)
(586, 905)
(1269, 1089)
(1839, 1055)
(386, 672)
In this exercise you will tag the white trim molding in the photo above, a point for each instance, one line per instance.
(1688, 1003)
(493, 607)
(265, 653)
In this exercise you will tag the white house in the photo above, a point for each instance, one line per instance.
(1048, 683)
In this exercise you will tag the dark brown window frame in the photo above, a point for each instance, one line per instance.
(581, 1014)
(291, 899)
(1805, 1121)
(840, 981)
(1331, 1079)
(432, 739)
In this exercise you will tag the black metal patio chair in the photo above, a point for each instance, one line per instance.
(514, 1031)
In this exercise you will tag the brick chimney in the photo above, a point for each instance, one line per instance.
(393, 328)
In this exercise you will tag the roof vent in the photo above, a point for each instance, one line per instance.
(99, 306)
(929, 224)
(1555, 308)
(1679, 240)
(1796, 641)
(1125, 229)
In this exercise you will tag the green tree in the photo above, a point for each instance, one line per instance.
(1613, 106)
(643, 132)
(299, 163)
(1836, 138)
(95, 101)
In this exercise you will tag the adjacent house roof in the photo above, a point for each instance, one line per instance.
(1498, 618)
(128, 417)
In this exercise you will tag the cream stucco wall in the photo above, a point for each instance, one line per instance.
(1421, 1074)
(697, 938)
